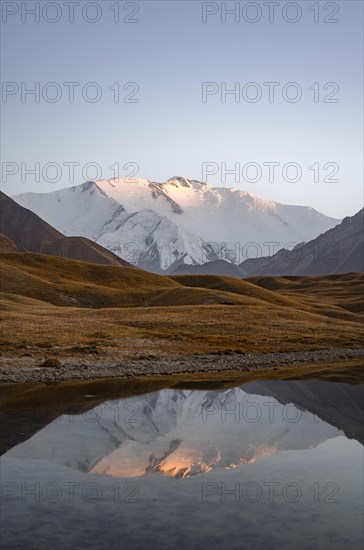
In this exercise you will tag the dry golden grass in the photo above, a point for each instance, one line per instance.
(236, 286)
(7, 245)
(63, 305)
(65, 282)
(174, 330)
(335, 291)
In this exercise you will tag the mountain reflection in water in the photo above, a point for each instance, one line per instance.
(181, 433)
(267, 465)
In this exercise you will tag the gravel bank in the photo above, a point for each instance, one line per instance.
(20, 370)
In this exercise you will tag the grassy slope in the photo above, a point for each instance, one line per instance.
(7, 245)
(236, 286)
(341, 291)
(63, 282)
(189, 314)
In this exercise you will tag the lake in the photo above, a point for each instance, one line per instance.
(270, 464)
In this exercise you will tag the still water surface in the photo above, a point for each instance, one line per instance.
(267, 465)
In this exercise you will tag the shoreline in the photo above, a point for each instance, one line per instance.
(24, 370)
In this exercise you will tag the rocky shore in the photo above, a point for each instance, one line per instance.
(26, 369)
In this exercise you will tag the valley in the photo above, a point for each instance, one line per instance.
(102, 321)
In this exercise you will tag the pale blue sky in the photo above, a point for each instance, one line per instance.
(169, 53)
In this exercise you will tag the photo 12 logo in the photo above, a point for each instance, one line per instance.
(251, 412)
(69, 171)
(69, 92)
(269, 92)
(70, 12)
(271, 172)
(70, 491)
(270, 12)
(251, 492)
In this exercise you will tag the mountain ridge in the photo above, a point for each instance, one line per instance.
(22, 230)
(159, 226)
(339, 250)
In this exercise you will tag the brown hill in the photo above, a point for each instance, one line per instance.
(50, 303)
(232, 285)
(217, 267)
(64, 282)
(29, 233)
(337, 251)
(341, 291)
(7, 245)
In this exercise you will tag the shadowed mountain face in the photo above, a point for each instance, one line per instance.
(339, 250)
(23, 231)
(218, 267)
(340, 405)
(7, 245)
(181, 433)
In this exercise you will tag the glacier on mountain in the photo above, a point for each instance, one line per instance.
(158, 226)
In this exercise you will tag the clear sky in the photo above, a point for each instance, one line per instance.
(161, 126)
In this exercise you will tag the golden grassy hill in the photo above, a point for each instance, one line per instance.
(235, 286)
(51, 303)
(64, 282)
(333, 291)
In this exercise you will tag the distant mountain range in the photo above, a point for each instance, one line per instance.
(23, 231)
(162, 227)
(339, 250)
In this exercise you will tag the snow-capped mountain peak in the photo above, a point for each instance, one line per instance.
(184, 182)
(161, 225)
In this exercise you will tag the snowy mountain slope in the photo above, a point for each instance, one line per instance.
(82, 210)
(152, 241)
(159, 226)
(22, 230)
(178, 433)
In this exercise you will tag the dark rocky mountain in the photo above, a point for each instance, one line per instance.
(338, 250)
(23, 231)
